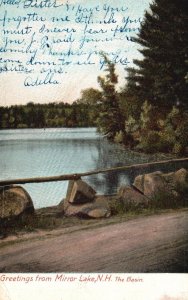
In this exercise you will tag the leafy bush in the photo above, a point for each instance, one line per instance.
(169, 134)
(119, 137)
(131, 125)
(150, 142)
(177, 149)
(118, 206)
(169, 200)
(146, 115)
(164, 199)
(176, 128)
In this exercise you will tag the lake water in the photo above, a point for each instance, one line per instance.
(37, 152)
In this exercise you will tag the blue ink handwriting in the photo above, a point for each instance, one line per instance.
(49, 38)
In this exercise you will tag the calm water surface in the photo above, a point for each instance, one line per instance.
(38, 152)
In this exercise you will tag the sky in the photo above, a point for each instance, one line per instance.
(50, 54)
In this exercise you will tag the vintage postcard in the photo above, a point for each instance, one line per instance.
(93, 149)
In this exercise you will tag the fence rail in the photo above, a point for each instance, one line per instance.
(77, 176)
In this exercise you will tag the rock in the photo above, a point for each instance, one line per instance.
(177, 178)
(96, 212)
(131, 196)
(99, 208)
(80, 192)
(14, 201)
(152, 183)
(139, 183)
(181, 177)
(149, 184)
(177, 181)
(69, 189)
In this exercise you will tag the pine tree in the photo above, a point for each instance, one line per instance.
(110, 120)
(160, 77)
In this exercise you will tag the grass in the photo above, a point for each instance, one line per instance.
(74, 224)
(33, 223)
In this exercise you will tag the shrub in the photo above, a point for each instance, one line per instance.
(164, 199)
(119, 137)
(131, 125)
(177, 149)
(120, 207)
(169, 200)
(117, 207)
(145, 115)
(163, 135)
(149, 142)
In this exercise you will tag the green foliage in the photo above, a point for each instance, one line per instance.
(177, 148)
(90, 97)
(21, 126)
(131, 125)
(176, 130)
(90, 100)
(146, 115)
(117, 207)
(150, 142)
(120, 207)
(163, 135)
(119, 137)
(130, 105)
(160, 75)
(110, 120)
(77, 114)
(165, 199)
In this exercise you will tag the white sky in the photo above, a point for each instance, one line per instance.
(76, 77)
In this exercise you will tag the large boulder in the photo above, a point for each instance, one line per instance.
(139, 183)
(149, 184)
(177, 181)
(181, 177)
(132, 197)
(152, 183)
(98, 208)
(14, 201)
(80, 192)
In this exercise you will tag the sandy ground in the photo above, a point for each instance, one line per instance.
(157, 243)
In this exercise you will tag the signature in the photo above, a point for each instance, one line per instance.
(48, 79)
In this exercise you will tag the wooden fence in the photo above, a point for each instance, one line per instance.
(79, 175)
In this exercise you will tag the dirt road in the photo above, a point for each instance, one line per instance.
(147, 244)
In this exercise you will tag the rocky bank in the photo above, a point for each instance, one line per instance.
(83, 202)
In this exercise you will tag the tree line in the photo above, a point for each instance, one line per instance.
(38, 115)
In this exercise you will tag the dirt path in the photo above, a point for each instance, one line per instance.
(147, 244)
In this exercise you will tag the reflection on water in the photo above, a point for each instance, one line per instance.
(37, 152)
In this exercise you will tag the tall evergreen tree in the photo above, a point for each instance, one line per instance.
(160, 77)
(110, 120)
